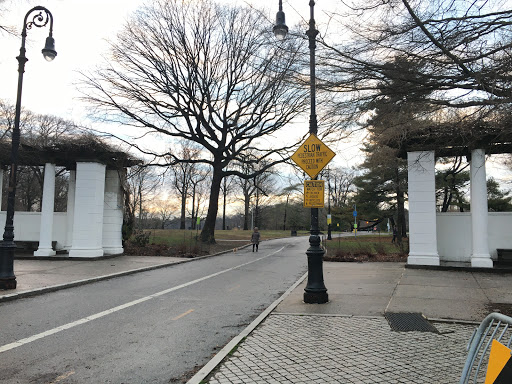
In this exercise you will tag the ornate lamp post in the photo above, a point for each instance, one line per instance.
(40, 18)
(315, 291)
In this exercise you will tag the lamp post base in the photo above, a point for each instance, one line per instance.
(316, 297)
(7, 277)
(315, 291)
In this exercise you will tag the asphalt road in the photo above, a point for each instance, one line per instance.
(151, 327)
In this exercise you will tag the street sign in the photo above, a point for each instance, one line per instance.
(499, 368)
(312, 156)
(354, 213)
(314, 191)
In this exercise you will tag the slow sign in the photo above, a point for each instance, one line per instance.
(312, 156)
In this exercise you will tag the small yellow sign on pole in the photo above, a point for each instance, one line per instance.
(314, 191)
(312, 156)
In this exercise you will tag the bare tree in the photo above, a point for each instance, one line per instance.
(164, 209)
(141, 183)
(209, 74)
(198, 192)
(459, 50)
(253, 188)
(226, 188)
(183, 174)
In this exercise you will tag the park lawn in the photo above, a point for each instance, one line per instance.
(365, 248)
(185, 243)
(180, 236)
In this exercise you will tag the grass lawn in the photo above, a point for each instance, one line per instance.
(365, 248)
(184, 243)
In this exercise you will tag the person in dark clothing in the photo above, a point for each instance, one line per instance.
(255, 239)
(395, 233)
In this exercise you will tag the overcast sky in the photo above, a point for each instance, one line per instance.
(81, 28)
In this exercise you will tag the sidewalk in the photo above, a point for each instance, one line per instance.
(38, 276)
(348, 340)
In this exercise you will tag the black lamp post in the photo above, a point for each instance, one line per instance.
(40, 18)
(329, 227)
(315, 291)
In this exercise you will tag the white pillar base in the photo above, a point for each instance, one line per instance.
(45, 252)
(113, 251)
(481, 261)
(423, 259)
(74, 252)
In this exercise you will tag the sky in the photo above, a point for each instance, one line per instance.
(81, 31)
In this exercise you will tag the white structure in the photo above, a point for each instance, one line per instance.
(468, 237)
(92, 225)
(422, 209)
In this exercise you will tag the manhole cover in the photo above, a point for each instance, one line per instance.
(409, 321)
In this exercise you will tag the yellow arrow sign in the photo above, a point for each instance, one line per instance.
(499, 369)
(312, 156)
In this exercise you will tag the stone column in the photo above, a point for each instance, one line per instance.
(479, 211)
(88, 213)
(47, 206)
(422, 209)
(70, 217)
(112, 215)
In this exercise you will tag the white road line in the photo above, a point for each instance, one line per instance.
(99, 315)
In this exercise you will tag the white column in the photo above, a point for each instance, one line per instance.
(479, 211)
(70, 217)
(422, 209)
(46, 229)
(112, 215)
(88, 213)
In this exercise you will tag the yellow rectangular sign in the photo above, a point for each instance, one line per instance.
(314, 191)
(312, 156)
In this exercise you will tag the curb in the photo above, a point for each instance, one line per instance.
(221, 355)
(54, 288)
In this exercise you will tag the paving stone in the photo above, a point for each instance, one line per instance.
(335, 349)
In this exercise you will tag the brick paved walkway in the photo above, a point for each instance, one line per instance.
(335, 349)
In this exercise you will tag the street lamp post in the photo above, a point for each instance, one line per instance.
(40, 18)
(329, 227)
(315, 291)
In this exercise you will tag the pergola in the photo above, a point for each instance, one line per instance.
(471, 237)
(92, 225)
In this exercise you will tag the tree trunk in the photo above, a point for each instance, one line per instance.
(194, 211)
(140, 208)
(208, 232)
(247, 202)
(224, 193)
(183, 208)
(285, 210)
(401, 229)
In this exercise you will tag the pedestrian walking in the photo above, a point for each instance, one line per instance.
(255, 239)
(395, 233)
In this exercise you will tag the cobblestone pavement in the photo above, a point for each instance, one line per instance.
(288, 348)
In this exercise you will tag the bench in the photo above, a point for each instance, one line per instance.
(504, 256)
(30, 246)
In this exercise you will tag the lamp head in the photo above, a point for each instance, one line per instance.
(49, 51)
(280, 29)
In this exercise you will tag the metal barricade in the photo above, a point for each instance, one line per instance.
(497, 327)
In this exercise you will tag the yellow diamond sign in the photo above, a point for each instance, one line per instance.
(312, 156)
